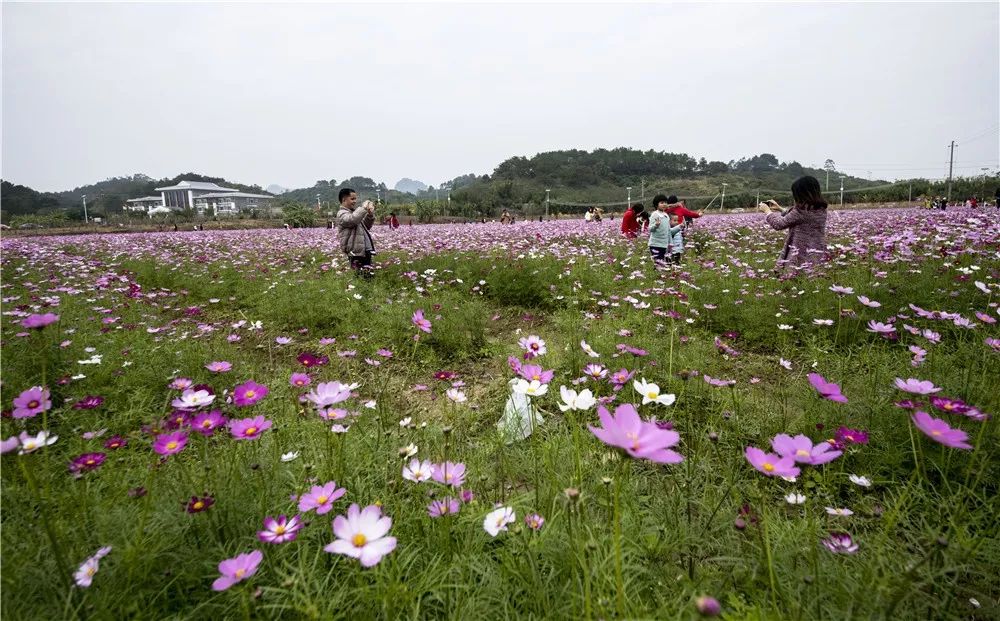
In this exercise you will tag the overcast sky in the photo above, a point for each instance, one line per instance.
(288, 94)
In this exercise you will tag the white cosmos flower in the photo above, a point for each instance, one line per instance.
(839, 511)
(291, 456)
(192, 399)
(795, 498)
(498, 520)
(409, 450)
(584, 400)
(786, 364)
(533, 388)
(418, 471)
(589, 350)
(784, 326)
(406, 421)
(651, 393)
(30, 444)
(456, 395)
(862, 481)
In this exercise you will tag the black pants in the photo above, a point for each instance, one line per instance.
(362, 264)
(659, 256)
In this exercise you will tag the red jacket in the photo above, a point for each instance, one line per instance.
(683, 212)
(630, 226)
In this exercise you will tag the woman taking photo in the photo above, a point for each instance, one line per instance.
(806, 224)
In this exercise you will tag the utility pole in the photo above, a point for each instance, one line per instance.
(828, 180)
(722, 203)
(642, 191)
(85, 218)
(449, 203)
(378, 195)
(841, 190)
(546, 204)
(629, 199)
(910, 200)
(951, 163)
(319, 206)
(827, 185)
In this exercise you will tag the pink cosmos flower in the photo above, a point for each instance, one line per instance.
(917, 387)
(32, 402)
(192, 399)
(328, 393)
(280, 529)
(445, 506)
(638, 438)
(420, 322)
(180, 383)
(938, 430)
(219, 366)
(299, 380)
(249, 393)
(39, 321)
(595, 371)
(362, 534)
(237, 569)
(86, 462)
(449, 473)
(881, 328)
(533, 346)
(869, 303)
(206, 423)
(534, 372)
(249, 428)
(84, 575)
(801, 449)
(534, 521)
(827, 390)
(170, 443)
(88, 403)
(9, 445)
(321, 497)
(770, 464)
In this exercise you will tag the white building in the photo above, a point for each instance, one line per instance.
(182, 195)
(204, 197)
(231, 203)
(143, 204)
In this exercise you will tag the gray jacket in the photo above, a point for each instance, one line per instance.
(352, 231)
(806, 241)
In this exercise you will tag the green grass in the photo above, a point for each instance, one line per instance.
(926, 528)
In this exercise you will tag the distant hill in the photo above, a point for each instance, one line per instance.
(410, 186)
(276, 189)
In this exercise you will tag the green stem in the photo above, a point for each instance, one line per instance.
(46, 525)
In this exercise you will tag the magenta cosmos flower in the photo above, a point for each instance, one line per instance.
(32, 402)
(534, 521)
(840, 543)
(638, 438)
(420, 322)
(827, 390)
(938, 430)
(249, 393)
(237, 569)
(207, 422)
(917, 387)
(219, 366)
(801, 449)
(308, 359)
(88, 403)
(170, 443)
(534, 372)
(280, 529)
(321, 497)
(770, 464)
(39, 321)
(249, 428)
(362, 534)
(87, 462)
(299, 380)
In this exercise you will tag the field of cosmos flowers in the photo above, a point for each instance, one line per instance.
(524, 421)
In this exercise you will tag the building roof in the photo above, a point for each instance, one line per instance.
(233, 194)
(196, 185)
(145, 199)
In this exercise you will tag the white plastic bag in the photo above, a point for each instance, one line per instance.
(516, 423)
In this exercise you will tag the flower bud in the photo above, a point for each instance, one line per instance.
(708, 606)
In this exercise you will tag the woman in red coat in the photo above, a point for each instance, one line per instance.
(630, 221)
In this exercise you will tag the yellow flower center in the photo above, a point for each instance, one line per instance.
(32, 404)
(359, 540)
(90, 462)
(651, 394)
(30, 445)
(198, 505)
(205, 424)
(768, 466)
(448, 476)
(321, 499)
(634, 437)
(279, 530)
(935, 433)
(802, 453)
(250, 431)
(239, 573)
(536, 377)
(91, 571)
(171, 446)
(249, 394)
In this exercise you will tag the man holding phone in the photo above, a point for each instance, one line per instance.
(353, 231)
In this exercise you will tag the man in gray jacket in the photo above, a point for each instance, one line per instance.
(353, 225)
